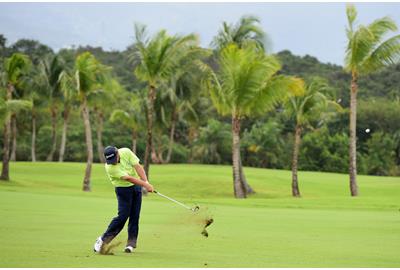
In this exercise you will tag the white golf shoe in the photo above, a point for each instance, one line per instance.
(98, 244)
(129, 249)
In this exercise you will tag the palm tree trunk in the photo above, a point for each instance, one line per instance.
(134, 136)
(154, 156)
(191, 138)
(89, 145)
(238, 188)
(171, 135)
(6, 147)
(150, 110)
(248, 188)
(53, 133)
(13, 156)
(160, 154)
(64, 133)
(296, 147)
(353, 138)
(5, 170)
(33, 142)
(99, 131)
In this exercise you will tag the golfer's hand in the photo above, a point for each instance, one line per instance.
(149, 187)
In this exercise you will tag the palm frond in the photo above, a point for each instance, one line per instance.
(67, 85)
(16, 106)
(122, 117)
(13, 106)
(312, 105)
(351, 13)
(277, 89)
(15, 66)
(90, 74)
(359, 47)
(366, 50)
(386, 53)
(246, 30)
(381, 27)
(246, 81)
(157, 58)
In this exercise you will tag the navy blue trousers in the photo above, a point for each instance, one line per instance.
(129, 204)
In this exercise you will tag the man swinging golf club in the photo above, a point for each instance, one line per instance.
(128, 177)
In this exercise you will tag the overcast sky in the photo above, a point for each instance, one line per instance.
(317, 29)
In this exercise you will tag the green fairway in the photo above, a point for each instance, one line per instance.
(47, 221)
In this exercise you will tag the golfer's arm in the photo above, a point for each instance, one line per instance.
(134, 180)
(140, 171)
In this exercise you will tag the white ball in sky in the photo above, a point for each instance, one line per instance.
(367, 130)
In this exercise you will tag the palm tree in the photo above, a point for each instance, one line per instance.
(157, 59)
(213, 141)
(21, 91)
(24, 91)
(13, 124)
(69, 94)
(178, 97)
(130, 116)
(102, 102)
(36, 93)
(367, 51)
(90, 76)
(12, 107)
(246, 84)
(50, 69)
(246, 30)
(312, 106)
(15, 68)
(181, 107)
(184, 94)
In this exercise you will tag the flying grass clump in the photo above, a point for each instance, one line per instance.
(207, 222)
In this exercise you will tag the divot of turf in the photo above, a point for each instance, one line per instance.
(208, 222)
(204, 218)
(107, 249)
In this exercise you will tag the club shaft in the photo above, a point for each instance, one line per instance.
(175, 201)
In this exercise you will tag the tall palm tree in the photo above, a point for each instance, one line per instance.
(246, 30)
(181, 107)
(13, 106)
(102, 102)
(90, 76)
(246, 84)
(15, 68)
(69, 95)
(130, 116)
(312, 106)
(50, 68)
(178, 96)
(367, 51)
(36, 92)
(157, 59)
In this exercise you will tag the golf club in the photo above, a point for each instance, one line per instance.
(194, 209)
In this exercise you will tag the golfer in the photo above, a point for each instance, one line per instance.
(128, 177)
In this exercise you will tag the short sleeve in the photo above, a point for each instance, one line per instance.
(133, 159)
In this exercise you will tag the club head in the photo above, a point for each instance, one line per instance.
(196, 208)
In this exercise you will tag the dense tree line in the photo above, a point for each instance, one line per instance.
(172, 101)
